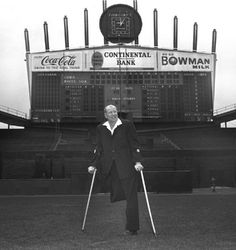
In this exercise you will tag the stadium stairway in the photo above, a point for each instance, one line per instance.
(156, 140)
(74, 140)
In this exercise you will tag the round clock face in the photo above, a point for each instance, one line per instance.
(120, 23)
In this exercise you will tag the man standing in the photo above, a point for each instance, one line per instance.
(117, 151)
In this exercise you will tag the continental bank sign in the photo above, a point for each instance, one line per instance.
(120, 59)
(123, 59)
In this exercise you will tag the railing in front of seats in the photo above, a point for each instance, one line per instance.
(225, 109)
(13, 111)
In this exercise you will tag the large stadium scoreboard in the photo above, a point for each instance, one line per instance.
(149, 84)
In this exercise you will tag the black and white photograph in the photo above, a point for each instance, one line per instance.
(117, 125)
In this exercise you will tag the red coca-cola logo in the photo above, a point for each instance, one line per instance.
(58, 61)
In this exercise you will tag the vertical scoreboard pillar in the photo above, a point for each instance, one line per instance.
(213, 48)
(46, 37)
(104, 8)
(27, 45)
(195, 31)
(175, 41)
(66, 32)
(86, 32)
(155, 21)
(136, 8)
(104, 4)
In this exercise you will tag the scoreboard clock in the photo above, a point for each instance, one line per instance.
(120, 23)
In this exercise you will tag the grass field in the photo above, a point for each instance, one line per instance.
(202, 220)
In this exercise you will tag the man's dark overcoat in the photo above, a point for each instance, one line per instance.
(122, 147)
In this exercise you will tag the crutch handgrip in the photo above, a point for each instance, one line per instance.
(90, 192)
(147, 201)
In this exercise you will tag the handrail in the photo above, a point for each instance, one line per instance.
(13, 111)
(228, 108)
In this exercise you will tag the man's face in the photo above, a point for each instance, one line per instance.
(111, 114)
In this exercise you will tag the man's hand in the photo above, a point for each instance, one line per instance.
(138, 166)
(91, 169)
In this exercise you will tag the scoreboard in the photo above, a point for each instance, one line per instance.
(148, 83)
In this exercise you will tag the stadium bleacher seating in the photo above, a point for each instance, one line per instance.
(205, 138)
(65, 153)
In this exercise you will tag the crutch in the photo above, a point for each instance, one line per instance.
(90, 192)
(147, 201)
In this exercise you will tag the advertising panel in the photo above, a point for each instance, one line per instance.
(184, 61)
(56, 61)
(103, 59)
(122, 58)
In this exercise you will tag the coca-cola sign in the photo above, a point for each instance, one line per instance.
(57, 61)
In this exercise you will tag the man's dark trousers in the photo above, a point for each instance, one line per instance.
(126, 189)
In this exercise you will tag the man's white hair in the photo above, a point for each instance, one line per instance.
(109, 106)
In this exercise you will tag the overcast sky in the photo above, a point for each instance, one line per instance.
(16, 15)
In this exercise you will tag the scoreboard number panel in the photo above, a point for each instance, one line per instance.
(162, 96)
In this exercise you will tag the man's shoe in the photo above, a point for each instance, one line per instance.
(131, 232)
